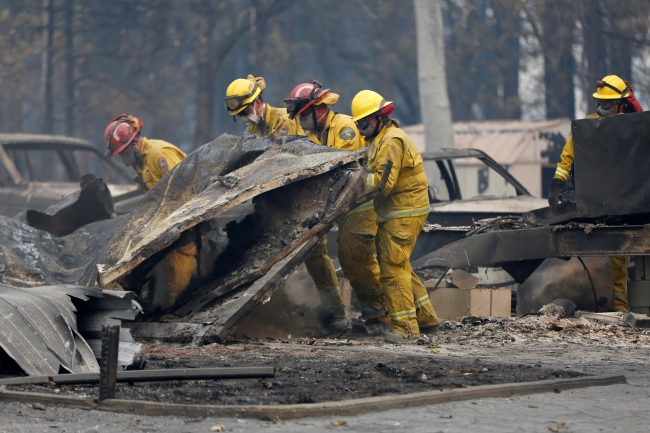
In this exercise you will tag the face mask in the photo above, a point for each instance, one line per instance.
(252, 119)
(604, 113)
(129, 158)
(307, 122)
(369, 130)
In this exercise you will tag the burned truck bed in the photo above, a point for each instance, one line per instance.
(606, 214)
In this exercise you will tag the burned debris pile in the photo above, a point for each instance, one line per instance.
(253, 208)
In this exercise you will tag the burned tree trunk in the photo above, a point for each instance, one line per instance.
(69, 67)
(47, 19)
(558, 21)
(432, 78)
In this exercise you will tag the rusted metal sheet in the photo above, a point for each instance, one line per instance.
(528, 245)
(180, 185)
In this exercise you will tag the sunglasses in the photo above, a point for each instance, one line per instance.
(233, 103)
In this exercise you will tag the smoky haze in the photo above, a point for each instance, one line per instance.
(70, 66)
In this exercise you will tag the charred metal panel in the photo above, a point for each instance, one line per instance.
(30, 257)
(611, 165)
(564, 212)
(192, 193)
(515, 246)
(93, 202)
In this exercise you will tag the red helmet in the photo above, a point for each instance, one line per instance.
(120, 133)
(302, 96)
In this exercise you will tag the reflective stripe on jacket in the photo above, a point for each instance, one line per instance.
(406, 191)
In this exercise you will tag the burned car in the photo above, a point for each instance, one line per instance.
(37, 171)
(451, 213)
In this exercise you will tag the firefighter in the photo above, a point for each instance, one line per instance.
(613, 96)
(151, 159)
(309, 103)
(244, 100)
(402, 209)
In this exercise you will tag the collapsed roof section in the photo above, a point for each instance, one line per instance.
(210, 181)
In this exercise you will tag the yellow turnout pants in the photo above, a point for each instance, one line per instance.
(619, 277)
(407, 300)
(180, 266)
(320, 267)
(356, 239)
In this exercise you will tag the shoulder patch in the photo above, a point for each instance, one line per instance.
(347, 133)
(162, 164)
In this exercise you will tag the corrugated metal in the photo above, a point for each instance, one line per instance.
(40, 332)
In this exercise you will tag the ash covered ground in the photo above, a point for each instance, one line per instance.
(309, 374)
(554, 343)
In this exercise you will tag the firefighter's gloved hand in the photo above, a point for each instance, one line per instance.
(554, 192)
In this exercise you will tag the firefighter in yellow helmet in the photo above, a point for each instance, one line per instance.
(401, 209)
(309, 103)
(244, 100)
(151, 160)
(613, 96)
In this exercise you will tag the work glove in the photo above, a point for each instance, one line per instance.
(554, 192)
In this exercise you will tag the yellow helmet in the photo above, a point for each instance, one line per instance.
(242, 92)
(612, 87)
(367, 102)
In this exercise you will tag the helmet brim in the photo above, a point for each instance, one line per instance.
(120, 148)
(371, 111)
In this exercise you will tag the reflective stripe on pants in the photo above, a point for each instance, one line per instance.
(406, 298)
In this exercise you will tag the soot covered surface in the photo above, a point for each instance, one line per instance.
(309, 375)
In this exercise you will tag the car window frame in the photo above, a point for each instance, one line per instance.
(61, 149)
(449, 175)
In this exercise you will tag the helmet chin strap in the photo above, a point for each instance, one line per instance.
(313, 115)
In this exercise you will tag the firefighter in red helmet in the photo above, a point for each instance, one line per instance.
(310, 103)
(151, 159)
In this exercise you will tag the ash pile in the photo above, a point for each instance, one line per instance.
(252, 208)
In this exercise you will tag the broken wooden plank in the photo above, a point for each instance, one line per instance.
(150, 376)
(615, 317)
